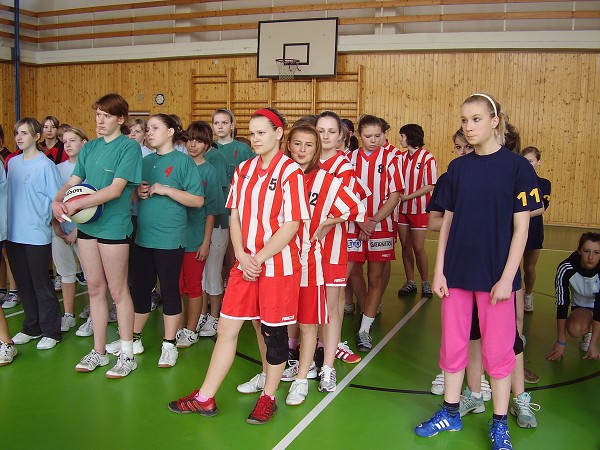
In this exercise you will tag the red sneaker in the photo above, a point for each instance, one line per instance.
(189, 404)
(263, 411)
(344, 353)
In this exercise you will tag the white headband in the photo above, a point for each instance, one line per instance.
(490, 100)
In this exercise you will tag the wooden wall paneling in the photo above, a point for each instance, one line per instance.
(7, 103)
(207, 93)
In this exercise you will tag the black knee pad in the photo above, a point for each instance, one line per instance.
(518, 347)
(276, 339)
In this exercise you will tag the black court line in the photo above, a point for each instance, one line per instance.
(528, 387)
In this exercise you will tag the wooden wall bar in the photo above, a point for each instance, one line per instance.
(553, 98)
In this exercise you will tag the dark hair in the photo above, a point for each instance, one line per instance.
(333, 116)
(1, 135)
(310, 119)
(534, 150)
(309, 129)
(33, 126)
(494, 109)
(169, 121)
(200, 131)
(52, 119)
(348, 124)
(512, 139)
(384, 125)
(414, 135)
(113, 104)
(367, 120)
(589, 236)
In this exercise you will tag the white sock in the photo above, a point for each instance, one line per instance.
(366, 323)
(127, 348)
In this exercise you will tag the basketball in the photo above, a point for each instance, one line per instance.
(84, 215)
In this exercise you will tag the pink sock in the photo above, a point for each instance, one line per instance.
(201, 398)
(292, 343)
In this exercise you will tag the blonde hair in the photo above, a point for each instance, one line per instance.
(495, 110)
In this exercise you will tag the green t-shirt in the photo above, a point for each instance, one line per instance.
(214, 204)
(217, 159)
(161, 220)
(235, 153)
(99, 163)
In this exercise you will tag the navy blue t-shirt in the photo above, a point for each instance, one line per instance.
(433, 204)
(536, 224)
(483, 192)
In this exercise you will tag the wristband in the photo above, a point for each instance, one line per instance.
(561, 343)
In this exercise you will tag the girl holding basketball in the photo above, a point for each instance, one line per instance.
(112, 164)
(267, 204)
(170, 185)
(491, 189)
(33, 181)
(65, 251)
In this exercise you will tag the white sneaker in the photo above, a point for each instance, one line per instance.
(528, 303)
(168, 355)
(298, 392)
(209, 328)
(201, 322)
(486, 389)
(291, 373)
(10, 300)
(7, 353)
(58, 283)
(92, 360)
(112, 314)
(86, 328)
(85, 313)
(46, 343)
(122, 368)
(114, 348)
(584, 345)
(328, 381)
(22, 338)
(437, 385)
(186, 338)
(67, 322)
(256, 384)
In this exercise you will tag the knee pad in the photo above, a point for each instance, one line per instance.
(518, 347)
(276, 339)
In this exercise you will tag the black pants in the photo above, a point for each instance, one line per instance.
(146, 265)
(29, 264)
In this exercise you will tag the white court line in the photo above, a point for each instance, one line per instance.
(21, 312)
(312, 415)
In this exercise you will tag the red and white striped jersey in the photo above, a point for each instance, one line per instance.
(380, 172)
(327, 198)
(265, 199)
(419, 169)
(334, 249)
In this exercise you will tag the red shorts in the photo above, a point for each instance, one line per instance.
(379, 247)
(190, 277)
(414, 221)
(334, 274)
(312, 306)
(272, 300)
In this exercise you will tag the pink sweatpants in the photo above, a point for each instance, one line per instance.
(497, 324)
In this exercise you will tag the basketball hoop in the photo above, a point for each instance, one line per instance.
(288, 68)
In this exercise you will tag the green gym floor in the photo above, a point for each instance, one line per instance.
(47, 405)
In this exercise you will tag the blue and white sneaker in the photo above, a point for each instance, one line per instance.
(441, 421)
(499, 435)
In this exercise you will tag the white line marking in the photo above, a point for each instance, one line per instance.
(21, 312)
(318, 409)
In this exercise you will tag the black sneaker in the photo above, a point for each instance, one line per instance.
(81, 278)
(426, 289)
(410, 287)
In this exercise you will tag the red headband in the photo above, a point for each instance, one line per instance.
(271, 116)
